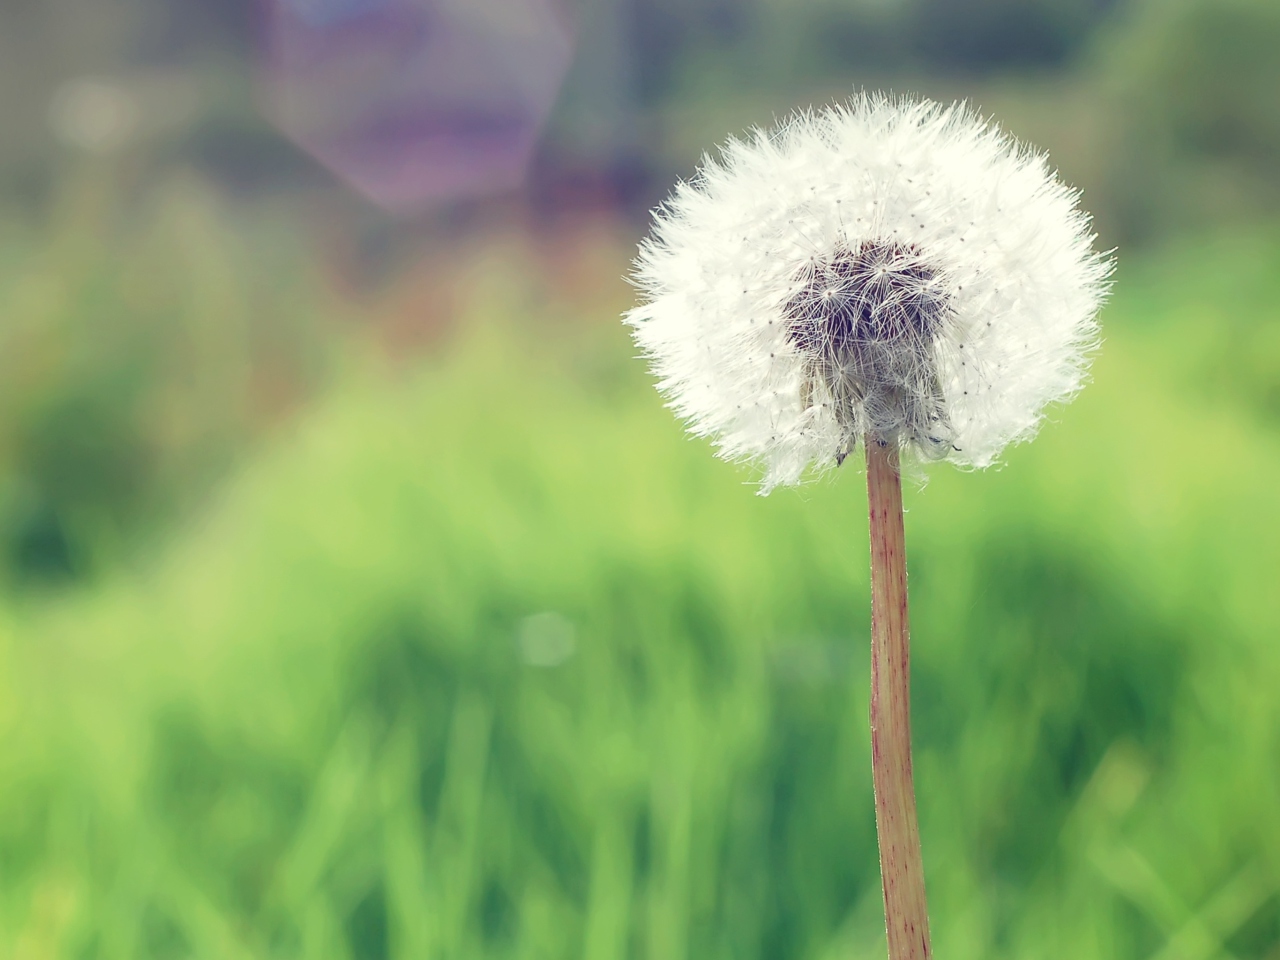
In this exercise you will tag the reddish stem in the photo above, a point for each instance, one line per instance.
(901, 865)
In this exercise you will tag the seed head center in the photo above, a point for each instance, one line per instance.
(866, 320)
(876, 293)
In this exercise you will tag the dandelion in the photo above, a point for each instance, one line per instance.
(891, 274)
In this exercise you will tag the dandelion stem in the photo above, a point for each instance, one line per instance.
(901, 867)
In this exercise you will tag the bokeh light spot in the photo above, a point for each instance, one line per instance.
(415, 101)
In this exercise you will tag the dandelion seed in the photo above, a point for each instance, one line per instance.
(945, 346)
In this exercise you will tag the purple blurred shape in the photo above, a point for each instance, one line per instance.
(413, 101)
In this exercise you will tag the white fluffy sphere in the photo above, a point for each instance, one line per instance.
(889, 268)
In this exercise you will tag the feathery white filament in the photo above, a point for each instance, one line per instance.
(890, 268)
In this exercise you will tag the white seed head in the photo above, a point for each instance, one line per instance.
(890, 268)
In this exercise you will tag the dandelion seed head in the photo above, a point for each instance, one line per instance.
(887, 268)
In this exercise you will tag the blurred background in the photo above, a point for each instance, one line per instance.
(359, 599)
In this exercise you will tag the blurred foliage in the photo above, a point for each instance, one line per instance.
(1192, 89)
(780, 43)
(1178, 98)
(143, 346)
(1166, 112)
(989, 35)
(494, 662)
(972, 37)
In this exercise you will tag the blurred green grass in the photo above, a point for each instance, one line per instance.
(492, 661)
(149, 337)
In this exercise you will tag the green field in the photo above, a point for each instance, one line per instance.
(491, 661)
